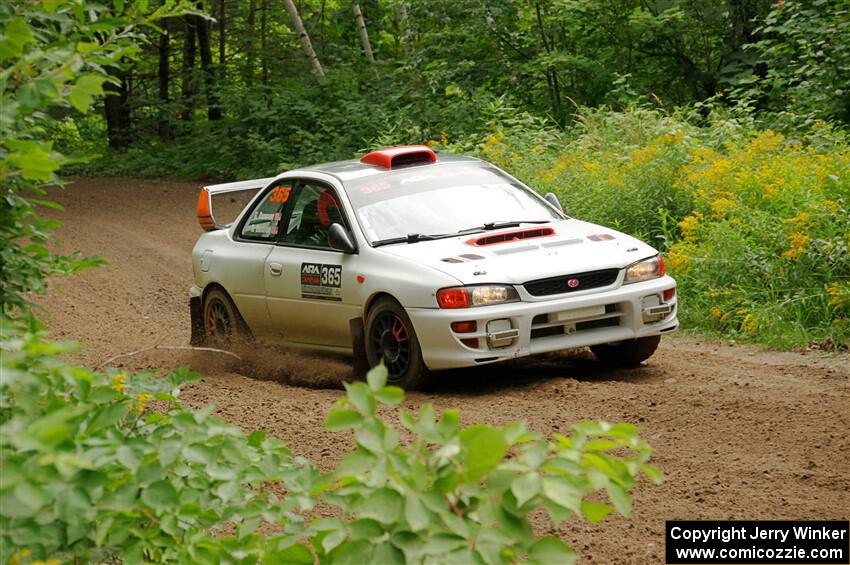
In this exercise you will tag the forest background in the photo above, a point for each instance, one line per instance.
(717, 130)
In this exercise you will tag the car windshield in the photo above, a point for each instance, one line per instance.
(443, 200)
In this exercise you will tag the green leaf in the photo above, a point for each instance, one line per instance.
(342, 419)
(361, 397)
(485, 448)
(377, 377)
(383, 505)
(441, 544)
(248, 526)
(562, 493)
(390, 395)
(550, 549)
(297, 554)
(365, 528)
(160, 495)
(415, 513)
(594, 512)
(653, 473)
(619, 498)
(352, 553)
(525, 487)
(30, 495)
(387, 554)
(83, 92)
(15, 35)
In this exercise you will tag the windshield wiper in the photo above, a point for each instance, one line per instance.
(409, 238)
(489, 226)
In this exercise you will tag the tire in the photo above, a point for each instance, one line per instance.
(390, 337)
(629, 353)
(222, 323)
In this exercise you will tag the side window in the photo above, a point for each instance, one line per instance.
(316, 207)
(263, 220)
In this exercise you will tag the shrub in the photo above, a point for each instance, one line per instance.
(102, 466)
(755, 226)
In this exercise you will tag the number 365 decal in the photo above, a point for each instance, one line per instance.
(321, 281)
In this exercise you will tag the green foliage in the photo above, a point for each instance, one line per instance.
(464, 495)
(90, 471)
(803, 47)
(98, 466)
(754, 226)
(53, 57)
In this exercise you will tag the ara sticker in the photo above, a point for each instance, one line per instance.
(280, 194)
(323, 282)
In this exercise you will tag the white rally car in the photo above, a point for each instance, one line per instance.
(425, 262)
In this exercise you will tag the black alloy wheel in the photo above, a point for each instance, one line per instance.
(390, 337)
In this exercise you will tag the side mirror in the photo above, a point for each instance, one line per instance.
(553, 200)
(340, 240)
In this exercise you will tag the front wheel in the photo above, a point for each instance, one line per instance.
(628, 353)
(390, 336)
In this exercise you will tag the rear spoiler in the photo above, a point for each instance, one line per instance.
(204, 207)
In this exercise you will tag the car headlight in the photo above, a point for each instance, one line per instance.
(478, 295)
(645, 270)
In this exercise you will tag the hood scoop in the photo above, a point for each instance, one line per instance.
(509, 236)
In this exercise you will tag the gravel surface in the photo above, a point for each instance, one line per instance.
(741, 432)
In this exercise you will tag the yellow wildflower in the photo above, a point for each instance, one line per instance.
(591, 167)
(689, 226)
(721, 206)
(800, 221)
(48, 562)
(677, 259)
(118, 382)
(765, 142)
(838, 297)
(643, 155)
(139, 403)
(444, 139)
(16, 558)
(716, 312)
(431, 142)
(798, 242)
(749, 324)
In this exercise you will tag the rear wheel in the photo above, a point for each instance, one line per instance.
(390, 336)
(222, 323)
(628, 353)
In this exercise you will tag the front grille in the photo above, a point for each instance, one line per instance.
(561, 284)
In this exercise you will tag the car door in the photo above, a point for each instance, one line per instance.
(254, 238)
(310, 286)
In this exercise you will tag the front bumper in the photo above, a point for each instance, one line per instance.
(518, 329)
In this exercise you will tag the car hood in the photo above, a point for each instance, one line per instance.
(572, 246)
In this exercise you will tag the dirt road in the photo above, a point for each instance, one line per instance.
(740, 432)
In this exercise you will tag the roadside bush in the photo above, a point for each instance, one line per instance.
(754, 225)
(104, 466)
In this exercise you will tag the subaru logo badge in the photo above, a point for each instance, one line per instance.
(572, 283)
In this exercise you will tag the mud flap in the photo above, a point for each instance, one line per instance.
(360, 365)
(197, 321)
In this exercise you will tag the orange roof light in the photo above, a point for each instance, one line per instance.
(395, 157)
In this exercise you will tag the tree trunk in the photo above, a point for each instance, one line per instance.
(361, 29)
(404, 26)
(251, 47)
(164, 78)
(189, 86)
(202, 27)
(306, 45)
(221, 37)
(264, 72)
(117, 110)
